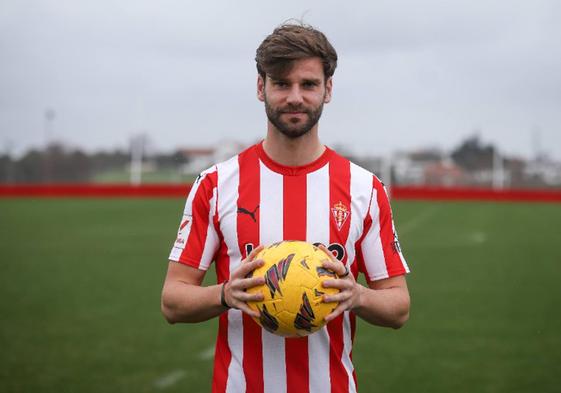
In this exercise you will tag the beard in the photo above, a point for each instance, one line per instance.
(291, 129)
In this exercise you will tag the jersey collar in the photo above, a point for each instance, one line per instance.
(293, 170)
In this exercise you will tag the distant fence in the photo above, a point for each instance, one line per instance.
(181, 190)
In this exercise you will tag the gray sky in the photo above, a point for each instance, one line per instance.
(411, 73)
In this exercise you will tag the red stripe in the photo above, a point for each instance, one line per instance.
(339, 199)
(248, 233)
(358, 246)
(222, 356)
(394, 264)
(353, 330)
(194, 247)
(294, 227)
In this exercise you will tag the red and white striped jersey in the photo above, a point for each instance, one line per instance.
(251, 200)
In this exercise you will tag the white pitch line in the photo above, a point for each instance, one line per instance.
(417, 220)
(169, 379)
(467, 240)
(207, 354)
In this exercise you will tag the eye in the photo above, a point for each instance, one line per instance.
(309, 84)
(280, 84)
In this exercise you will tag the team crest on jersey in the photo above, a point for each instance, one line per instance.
(340, 214)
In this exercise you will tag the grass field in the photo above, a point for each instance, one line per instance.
(80, 283)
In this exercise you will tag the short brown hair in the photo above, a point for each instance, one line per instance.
(290, 42)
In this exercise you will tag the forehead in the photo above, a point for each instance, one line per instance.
(308, 68)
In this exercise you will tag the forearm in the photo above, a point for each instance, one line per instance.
(182, 302)
(387, 307)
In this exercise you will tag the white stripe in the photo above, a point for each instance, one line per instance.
(271, 231)
(361, 190)
(228, 180)
(317, 230)
(236, 379)
(347, 348)
(317, 206)
(211, 241)
(372, 250)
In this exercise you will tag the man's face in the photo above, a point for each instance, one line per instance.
(294, 102)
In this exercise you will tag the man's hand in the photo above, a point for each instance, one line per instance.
(234, 290)
(349, 296)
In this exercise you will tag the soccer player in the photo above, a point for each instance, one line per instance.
(287, 187)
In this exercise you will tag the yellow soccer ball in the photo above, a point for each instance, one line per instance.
(292, 304)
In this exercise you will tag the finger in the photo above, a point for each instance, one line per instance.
(335, 313)
(326, 250)
(340, 297)
(254, 253)
(249, 297)
(248, 267)
(339, 284)
(337, 267)
(245, 283)
(246, 309)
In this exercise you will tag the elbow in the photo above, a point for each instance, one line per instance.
(400, 320)
(168, 316)
(167, 312)
(402, 316)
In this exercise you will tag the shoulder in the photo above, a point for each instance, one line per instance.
(218, 171)
(361, 178)
(229, 169)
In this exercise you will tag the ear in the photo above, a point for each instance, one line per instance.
(328, 90)
(260, 88)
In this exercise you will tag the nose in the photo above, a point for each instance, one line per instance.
(294, 96)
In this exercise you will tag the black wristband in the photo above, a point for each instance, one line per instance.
(223, 295)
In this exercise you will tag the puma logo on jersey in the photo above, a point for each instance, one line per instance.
(242, 210)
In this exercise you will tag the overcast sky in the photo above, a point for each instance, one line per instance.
(411, 74)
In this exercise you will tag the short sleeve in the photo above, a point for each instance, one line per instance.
(197, 240)
(378, 251)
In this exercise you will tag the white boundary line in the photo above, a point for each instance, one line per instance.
(417, 220)
(169, 379)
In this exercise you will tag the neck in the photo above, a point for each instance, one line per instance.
(293, 152)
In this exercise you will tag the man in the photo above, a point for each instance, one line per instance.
(290, 186)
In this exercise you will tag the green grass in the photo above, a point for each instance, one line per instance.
(80, 283)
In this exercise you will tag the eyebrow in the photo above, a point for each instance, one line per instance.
(316, 81)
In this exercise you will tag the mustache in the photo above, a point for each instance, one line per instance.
(293, 108)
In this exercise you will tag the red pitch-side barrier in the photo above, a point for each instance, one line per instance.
(180, 191)
(95, 190)
(475, 194)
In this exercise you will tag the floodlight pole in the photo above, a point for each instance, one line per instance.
(387, 173)
(50, 115)
(498, 170)
(137, 149)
